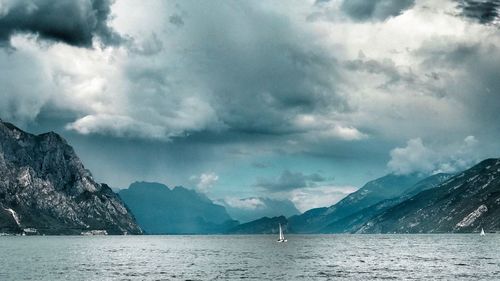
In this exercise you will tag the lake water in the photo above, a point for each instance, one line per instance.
(258, 257)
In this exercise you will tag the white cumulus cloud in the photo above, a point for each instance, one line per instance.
(416, 157)
(322, 196)
(245, 203)
(205, 181)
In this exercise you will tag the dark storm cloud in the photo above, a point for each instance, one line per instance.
(286, 83)
(479, 86)
(269, 67)
(74, 22)
(363, 10)
(397, 76)
(256, 69)
(386, 67)
(248, 82)
(484, 11)
(176, 19)
(288, 181)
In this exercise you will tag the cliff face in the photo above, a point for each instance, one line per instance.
(44, 186)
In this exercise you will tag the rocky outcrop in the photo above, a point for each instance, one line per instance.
(45, 187)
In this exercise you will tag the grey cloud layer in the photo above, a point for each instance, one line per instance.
(261, 68)
(288, 181)
(375, 9)
(484, 11)
(476, 67)
(222, 66)
(257, 78)
(74, 22)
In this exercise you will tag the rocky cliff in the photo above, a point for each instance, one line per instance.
(45, 189)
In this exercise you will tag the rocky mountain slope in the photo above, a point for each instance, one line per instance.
(161, 210)
(466, 202)
(355, 221)
(386, 187)
(45, 189)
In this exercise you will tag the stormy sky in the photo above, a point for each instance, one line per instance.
(303, 100)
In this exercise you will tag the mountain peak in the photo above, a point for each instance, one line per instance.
(145, 185)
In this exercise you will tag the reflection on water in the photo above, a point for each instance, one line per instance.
(259, 257)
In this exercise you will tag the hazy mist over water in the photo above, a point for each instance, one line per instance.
(258, 257)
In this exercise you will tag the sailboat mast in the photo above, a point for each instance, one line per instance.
(281, 237)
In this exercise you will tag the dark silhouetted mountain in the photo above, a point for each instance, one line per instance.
(386, 187)
(249, 209)
(44, 186)
(355, 221)
(261, 226)
(466, 202)
(161, 210)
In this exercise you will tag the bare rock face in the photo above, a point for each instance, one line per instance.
(44, 188)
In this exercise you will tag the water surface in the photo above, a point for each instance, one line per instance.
(258, 257)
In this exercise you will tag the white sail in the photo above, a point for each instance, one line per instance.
(281, 237)
(482, 232)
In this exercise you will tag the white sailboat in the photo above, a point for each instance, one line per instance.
(482, 232)
(282, 237)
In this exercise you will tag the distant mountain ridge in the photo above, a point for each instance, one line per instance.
(355, 210)
(352, 223)
(386, 187)
(161, 210)
(259, 207)
(263, 225)
(45, 189)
